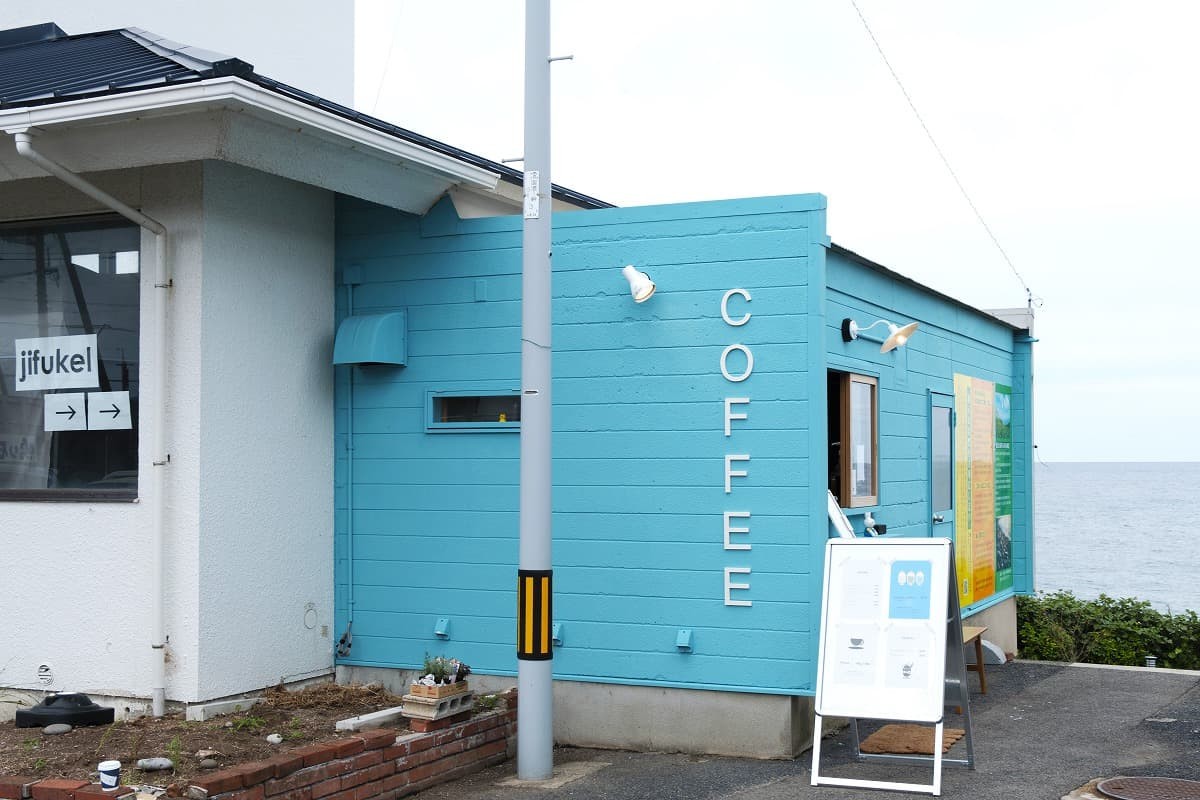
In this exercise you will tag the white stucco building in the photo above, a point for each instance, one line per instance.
(197, 555)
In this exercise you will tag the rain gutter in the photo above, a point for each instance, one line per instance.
(24, 141)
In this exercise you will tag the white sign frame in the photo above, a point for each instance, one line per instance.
(884, 613)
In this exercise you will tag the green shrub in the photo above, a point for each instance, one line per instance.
(1061, 627)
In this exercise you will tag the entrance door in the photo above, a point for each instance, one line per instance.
(941, 465)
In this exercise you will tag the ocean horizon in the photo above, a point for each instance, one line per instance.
(1119, 528)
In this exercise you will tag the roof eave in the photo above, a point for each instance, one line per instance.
(233, 92)
(866, 262)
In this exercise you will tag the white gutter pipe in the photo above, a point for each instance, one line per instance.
(24, 142)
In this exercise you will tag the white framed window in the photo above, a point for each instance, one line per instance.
(69, 360)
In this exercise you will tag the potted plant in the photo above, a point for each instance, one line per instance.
(443, 677)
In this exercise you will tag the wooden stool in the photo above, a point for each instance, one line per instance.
(974, 634)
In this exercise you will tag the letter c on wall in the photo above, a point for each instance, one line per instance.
(725, 308)
(749, 363)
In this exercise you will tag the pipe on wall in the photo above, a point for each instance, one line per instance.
(25, 148)
(346, 643)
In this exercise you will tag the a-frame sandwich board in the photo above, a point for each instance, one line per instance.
(890, 646)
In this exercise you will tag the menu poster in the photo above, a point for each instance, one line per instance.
(910, 590)
(883, 628)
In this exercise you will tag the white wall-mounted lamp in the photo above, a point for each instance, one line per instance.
(897, 336)
(640, 285)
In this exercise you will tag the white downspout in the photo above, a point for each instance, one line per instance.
(24, 142)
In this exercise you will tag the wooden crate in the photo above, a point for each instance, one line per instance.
(439, 691)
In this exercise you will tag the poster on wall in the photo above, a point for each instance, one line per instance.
(975, 488)
(1004, 488)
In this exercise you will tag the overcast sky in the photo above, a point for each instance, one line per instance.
(1073, 125)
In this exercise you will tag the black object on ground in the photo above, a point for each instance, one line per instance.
(71, 708)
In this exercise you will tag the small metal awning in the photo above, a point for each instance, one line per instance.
(372, 339)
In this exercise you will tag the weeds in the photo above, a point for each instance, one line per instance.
(175, 750)
(249, 724)
(294, 729)
(104, 738)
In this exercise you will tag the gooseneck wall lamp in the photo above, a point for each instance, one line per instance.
(640, 285)
(897, 336)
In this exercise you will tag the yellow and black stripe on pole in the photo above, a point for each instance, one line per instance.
(534, 614)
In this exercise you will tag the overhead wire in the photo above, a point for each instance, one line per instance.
(387, 63)
(945, 161)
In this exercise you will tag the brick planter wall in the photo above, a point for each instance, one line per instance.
(372, 765)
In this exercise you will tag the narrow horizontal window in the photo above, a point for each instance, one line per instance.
(474, 412)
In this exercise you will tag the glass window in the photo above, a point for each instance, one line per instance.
(862, 441)
(475, 411)
(853, 439)
(943, 464)
(69, 323)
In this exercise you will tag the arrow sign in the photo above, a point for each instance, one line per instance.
(62, 412)
(108, 411)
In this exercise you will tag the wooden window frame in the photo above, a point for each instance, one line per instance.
(849, 500)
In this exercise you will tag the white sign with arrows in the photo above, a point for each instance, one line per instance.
(108, 411)
(66, 412)
(88, 411)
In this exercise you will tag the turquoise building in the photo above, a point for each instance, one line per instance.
(697, 439)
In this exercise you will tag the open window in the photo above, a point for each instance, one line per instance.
(853, 439)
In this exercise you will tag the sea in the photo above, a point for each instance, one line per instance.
(1120, 529)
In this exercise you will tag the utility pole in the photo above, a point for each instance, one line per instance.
(535, 651)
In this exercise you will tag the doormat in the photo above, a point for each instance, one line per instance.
(905, 739)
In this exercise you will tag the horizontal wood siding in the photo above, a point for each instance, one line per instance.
(1023, 459)
(951, 339)
(639, 444)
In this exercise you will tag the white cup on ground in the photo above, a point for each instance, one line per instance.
(110, 775)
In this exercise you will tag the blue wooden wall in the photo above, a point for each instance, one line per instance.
(1023, 459)
(639, 443)
(952, 339)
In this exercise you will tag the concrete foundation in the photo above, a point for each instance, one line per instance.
(1001, 623)
(649, 718)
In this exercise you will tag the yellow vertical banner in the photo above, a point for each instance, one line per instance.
(963, 551)
(983, 489)
(975, 488)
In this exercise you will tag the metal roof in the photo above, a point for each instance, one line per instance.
(896, 276)
(41, 65)
(69, 67)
